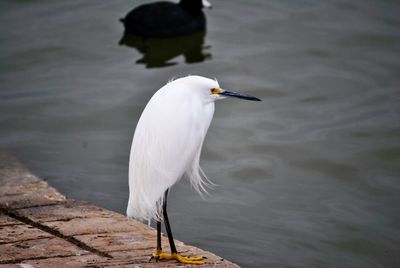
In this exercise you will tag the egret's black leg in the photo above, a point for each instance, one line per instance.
(159, 255)
(159, 249)
(167, 226)
(159, 236)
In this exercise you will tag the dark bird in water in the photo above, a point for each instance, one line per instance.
(166, 19)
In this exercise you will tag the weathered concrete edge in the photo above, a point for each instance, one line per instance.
(35, 215)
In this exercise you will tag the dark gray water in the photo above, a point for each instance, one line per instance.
(310, 177)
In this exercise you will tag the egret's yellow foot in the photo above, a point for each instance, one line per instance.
(158, 255)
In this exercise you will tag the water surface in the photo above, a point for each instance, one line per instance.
(310, 177)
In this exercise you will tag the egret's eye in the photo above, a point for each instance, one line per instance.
(215, 91)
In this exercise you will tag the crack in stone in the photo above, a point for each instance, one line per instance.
(15, 261)
(40, 205)
(23, 240)
(47, 229)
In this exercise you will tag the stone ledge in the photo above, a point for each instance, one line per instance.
(42, 228)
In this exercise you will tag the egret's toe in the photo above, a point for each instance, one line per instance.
(159, 255)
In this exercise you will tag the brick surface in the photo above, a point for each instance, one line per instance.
(39, 227)
(38, 248)
(16, 233)
(6, 220)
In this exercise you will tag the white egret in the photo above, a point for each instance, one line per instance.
(166, 145)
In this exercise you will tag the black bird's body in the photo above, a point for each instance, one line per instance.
(165, 19)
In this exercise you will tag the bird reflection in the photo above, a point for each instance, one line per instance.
(158, 52)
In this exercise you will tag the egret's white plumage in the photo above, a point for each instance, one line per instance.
(167, 143)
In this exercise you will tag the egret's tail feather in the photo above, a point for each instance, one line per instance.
(199, 180)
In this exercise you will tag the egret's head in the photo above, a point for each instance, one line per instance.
(206, 89)
(218, 93)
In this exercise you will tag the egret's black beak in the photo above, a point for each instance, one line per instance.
(238, 95)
